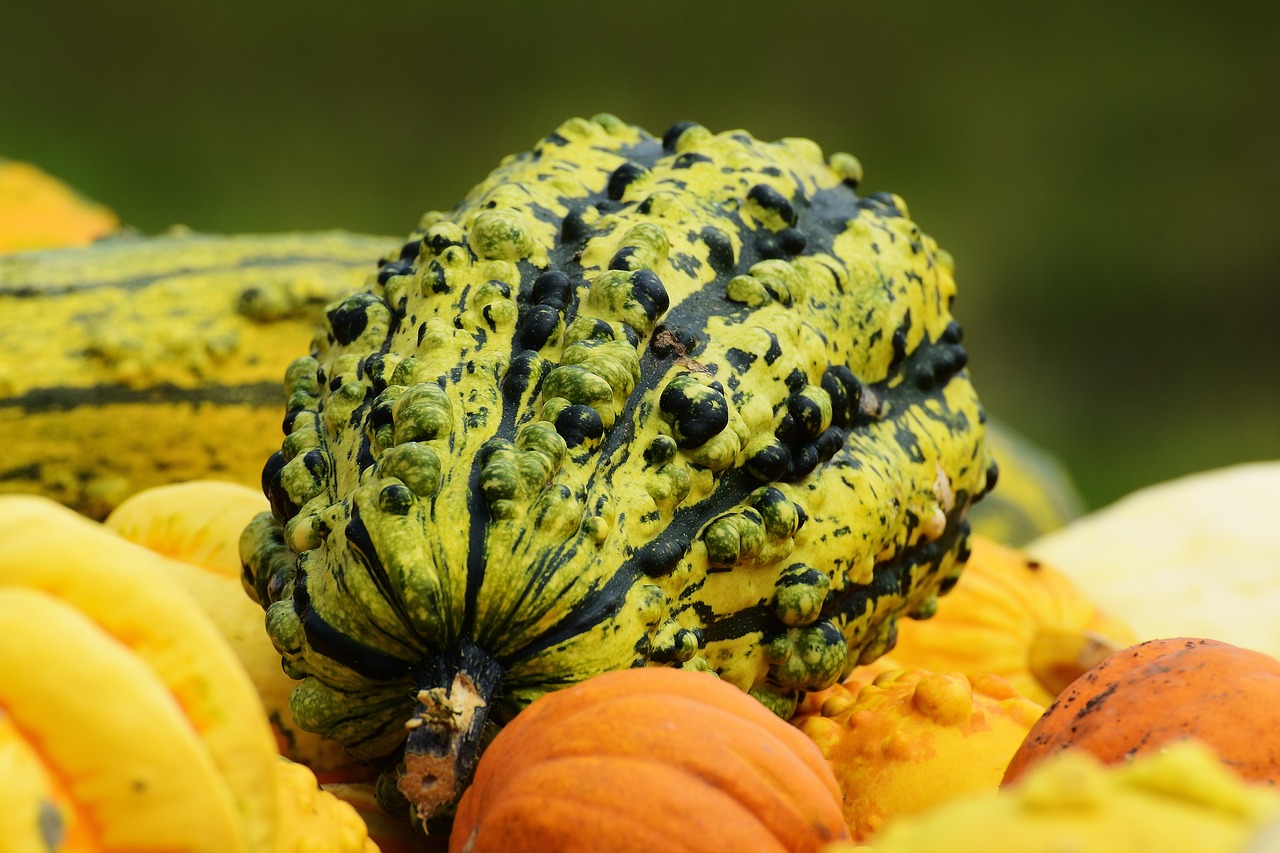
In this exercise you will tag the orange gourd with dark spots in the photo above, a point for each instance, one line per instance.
(1144, 697)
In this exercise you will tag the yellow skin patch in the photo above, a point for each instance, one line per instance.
(690, 400)
(141, 361)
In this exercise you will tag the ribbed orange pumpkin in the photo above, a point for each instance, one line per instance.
(1144, 697)
(649, 759)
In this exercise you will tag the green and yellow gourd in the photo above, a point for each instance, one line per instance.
(139, 361)
(687, 401)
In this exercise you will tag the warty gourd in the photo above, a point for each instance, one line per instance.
(688, 401)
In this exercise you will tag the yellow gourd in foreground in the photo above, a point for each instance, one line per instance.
(117, 763)
(1182, 799)
(910, 740)
(127, 596)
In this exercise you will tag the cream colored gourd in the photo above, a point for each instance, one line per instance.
(1191, 557)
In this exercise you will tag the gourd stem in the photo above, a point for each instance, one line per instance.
(453, 704)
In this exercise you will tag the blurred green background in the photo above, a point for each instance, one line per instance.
(1105, 174)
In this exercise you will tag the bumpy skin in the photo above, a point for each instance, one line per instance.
(687, 401)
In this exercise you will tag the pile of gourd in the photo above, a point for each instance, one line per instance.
(1098, 683)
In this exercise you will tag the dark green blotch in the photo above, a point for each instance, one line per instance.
(698, 412)
(623, 177)
(770, 199)
(688, 159)
(661, 556)
(739, 359)
(845, 392)
(349, 319)
(649, 293)
(538, 325)
(552, 288)
(673, 134)
(578, 424)
(719, 249)
(395, 499)
(769, 463)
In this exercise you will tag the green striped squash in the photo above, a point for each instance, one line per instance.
(140, 361)
(688, 401)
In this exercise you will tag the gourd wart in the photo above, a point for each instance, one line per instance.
(688, 401)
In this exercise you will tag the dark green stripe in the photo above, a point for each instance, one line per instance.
(337, 646)
(362, 547)
(67, 398)
(19, 274)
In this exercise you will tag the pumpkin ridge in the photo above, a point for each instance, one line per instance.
(711, 771)
(579, 807)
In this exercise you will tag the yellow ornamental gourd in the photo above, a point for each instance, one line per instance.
(197, 525)
(314, 821)
(127, 594)
(37, 211)
(1178, 800)
(1014, 617)
(911, 740)
(687, 400)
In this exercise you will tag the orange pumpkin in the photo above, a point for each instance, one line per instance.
(1147, 696)
(649, 759)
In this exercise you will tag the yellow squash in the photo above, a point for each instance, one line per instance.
(129, 594)
(198, 524)
(136, 771)
(1014, 617)
(1178, 800)
(313, 820)
(910, 740)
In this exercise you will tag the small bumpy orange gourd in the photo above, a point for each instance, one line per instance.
(1016, 618)
(911, 740)
(1143, 698)
(649, 759)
